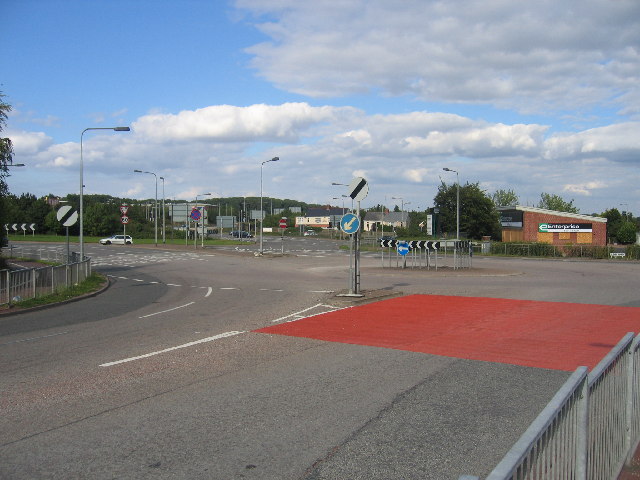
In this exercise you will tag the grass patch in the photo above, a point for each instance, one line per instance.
(90, 285)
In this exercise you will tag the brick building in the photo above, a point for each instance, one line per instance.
(531, 224)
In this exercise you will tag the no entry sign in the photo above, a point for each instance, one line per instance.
(283, 222)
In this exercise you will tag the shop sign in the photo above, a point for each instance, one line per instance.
(564, 227)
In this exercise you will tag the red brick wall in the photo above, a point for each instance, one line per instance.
(532, 219)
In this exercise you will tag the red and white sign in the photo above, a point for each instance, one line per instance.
(124, 219)
(124, 209)
(283, 222)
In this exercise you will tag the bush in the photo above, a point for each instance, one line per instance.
(633, 252)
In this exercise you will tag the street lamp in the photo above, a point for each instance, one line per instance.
(457, 201)
(164, 237)
(115, 129)
(155, 216)
(274, 159)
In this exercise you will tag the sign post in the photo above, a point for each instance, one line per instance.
(124, 218)
(283, 227)
(68, 217)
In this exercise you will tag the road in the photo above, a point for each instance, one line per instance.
(163, 375)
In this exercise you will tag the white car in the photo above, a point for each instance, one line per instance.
(117, 240)
(309, 233)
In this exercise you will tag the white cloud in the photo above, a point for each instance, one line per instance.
(399, 154)
(29, 143)
(533, 56)
(226, 123)
(619, 142)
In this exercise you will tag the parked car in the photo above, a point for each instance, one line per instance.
(240, 234)
(117, 240)
(308, 233)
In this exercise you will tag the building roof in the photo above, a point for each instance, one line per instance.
(578, 216)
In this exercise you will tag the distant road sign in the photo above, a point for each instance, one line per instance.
(195, 214)
(124, 209)
(350, 223)
(358, 189)
(124, 219)
(283, 222)
(403, 248)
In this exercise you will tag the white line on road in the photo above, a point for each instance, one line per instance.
(170, 310)
(228, 288)
(34, 338)
(185, 345)
(299, 315)
(209, 290)
(173, 285)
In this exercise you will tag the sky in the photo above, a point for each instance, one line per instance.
(534, 97)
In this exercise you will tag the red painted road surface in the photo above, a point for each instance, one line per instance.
(559, 336)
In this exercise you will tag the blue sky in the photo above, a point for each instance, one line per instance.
(530, 96)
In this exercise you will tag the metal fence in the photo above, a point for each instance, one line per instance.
(588, 430)
(25, 283)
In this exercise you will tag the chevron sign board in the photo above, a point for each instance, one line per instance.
(413, 244)
(388, 243)
(462, 245)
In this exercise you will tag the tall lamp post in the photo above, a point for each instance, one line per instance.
(164, 236)
(155, 215)
(274, 159)
(115, 129)
(457, 201)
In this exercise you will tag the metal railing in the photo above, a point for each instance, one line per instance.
(589, 429)
(25, 283)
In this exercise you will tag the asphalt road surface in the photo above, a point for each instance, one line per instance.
(163, 376)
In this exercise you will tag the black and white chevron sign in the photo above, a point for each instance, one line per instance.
(67, 216)
(388, 243)
(413, 244)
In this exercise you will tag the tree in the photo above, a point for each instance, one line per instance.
(505, 198)
(627, 232)
(557, 203)
(478, 215)
(614, 222)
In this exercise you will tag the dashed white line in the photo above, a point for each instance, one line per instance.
(228, 288)
(173, 285)
(34, 338)
(185, 345)
(209, 290)
(170, 310)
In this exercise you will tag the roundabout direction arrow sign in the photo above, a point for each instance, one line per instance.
(349, 223)
(403, 248)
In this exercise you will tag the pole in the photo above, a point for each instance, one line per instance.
(457, 207)
(164, 237)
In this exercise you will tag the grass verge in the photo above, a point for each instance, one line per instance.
(90, 285)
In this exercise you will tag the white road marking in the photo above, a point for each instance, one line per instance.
(299, 315)
(185, 345)
(228, 288)
(170, 310)
(320, 291)
(173, 285)
(271, 290)
(209, 290)
(34, 338)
